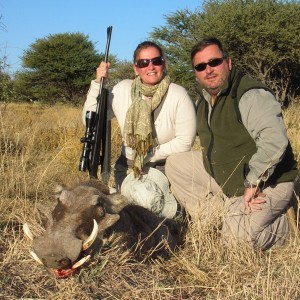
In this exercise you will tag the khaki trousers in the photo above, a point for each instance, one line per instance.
(202, 197)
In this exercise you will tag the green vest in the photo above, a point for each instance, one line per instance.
(226, 144)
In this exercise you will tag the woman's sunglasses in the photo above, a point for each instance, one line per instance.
(213, 63)
(143, 63)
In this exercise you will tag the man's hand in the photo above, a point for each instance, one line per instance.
(253, 198)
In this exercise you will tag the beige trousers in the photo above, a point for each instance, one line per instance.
(202, 197)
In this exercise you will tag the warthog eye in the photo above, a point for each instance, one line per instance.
(100, 210)
(59, 211)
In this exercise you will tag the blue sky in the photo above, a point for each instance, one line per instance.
(132, 21)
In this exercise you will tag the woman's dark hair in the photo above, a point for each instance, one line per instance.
(145, 45)
(207, 42)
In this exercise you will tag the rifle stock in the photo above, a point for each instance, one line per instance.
(96, 143)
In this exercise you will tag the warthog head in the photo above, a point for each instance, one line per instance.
(80, 218)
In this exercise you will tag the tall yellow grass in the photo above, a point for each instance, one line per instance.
(40, 147)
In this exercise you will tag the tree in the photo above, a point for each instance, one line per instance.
(261, 36)
(2, 26)
(6, 83)
(176, 38)
(119, 71)
(58, 68)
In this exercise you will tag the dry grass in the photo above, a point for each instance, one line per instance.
(39, 148)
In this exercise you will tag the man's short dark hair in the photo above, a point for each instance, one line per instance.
(207, 42)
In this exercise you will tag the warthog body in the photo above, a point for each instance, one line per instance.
(70, 222)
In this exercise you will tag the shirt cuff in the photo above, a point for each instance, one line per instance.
(255, 180)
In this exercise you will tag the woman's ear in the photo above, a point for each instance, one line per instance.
(136, 73)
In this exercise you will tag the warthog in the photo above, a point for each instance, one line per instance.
(85, 215)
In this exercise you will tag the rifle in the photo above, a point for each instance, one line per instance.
(96, 142)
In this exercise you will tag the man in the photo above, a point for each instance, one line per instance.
(246, 165)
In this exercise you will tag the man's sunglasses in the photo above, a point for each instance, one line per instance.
(213, 63)
(143, 63)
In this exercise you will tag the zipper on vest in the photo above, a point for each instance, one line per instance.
(209, 150)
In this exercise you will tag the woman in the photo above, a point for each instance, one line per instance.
(156, 117)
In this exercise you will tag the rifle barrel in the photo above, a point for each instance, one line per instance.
(95, 148)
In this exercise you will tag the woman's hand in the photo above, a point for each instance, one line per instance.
(102, 71)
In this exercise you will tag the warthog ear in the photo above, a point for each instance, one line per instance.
(57, 191)
(46, 209)
(116, 202)
(66, 197)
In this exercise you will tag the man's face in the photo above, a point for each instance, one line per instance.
(212, 79)
(151, 74)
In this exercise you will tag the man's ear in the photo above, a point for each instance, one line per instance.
(229, 63)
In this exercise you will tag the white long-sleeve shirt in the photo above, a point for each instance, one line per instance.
(175, 125)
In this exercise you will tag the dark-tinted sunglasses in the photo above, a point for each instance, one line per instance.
(143, 63)
(213, 63)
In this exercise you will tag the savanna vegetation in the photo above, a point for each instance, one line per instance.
(40, 147)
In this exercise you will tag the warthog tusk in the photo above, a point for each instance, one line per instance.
(90, 240)
(35, 257)
(81, 262)
(27, 231)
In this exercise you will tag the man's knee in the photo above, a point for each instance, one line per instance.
(245, 230)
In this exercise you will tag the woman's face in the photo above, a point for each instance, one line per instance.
(154, 72)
